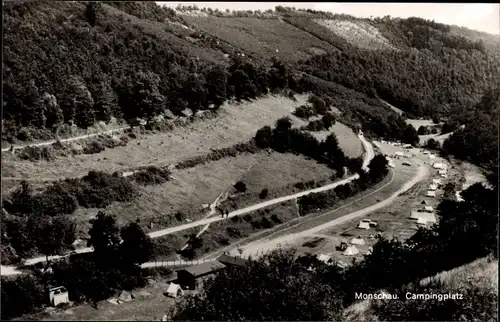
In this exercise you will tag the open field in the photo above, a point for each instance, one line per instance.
(358, 33)
(202, 184)
(235, 123)
(348, 141)
(418, 123)
(263, 37)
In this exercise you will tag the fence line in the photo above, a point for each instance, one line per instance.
(180, 262)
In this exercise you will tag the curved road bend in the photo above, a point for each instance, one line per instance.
(257, 248)
(11, 270)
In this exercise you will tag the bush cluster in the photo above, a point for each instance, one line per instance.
(151, 176)
(218, 154)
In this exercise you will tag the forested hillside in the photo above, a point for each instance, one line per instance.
(79, 63)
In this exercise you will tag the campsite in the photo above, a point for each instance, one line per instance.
(255, 162)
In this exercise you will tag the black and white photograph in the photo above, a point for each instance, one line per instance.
(249, 161)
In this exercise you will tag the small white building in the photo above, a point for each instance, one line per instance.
(444, 176)
(436, 181)
(433, 187)
(438, 165)
(431, 156)
(399, 154)
(442, 171)
(58, 295)
(431, 194)
(364, 225)
(428, 209)
(423, 217)
(174, 290)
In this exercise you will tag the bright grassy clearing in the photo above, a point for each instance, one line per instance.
(358, 33)
(263, 37)
(418, 123)
(202, 184)
(236, 123)
(348, 141)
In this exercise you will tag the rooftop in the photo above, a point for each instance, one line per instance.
(232, 260)
(205, 268)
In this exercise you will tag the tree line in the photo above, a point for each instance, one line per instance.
(125, 69)
(477, 140)
(323, 200)
(114, 264)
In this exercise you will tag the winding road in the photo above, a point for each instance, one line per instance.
(369, 154)
(75, 138)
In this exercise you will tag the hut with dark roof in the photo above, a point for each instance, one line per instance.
(192, 277)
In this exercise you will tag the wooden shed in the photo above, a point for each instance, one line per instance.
(192, 277)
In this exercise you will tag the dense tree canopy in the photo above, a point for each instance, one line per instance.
(277, 287)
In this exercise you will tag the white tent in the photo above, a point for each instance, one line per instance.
(358, 241)
(433, 187)
(428, 208)
(436, 181)
(425, 218)
(421, 221)
(125, 296)
(351, 251)
(324, 258)
(438, 165)
(174, 290)
(364, 225)
(431, 194)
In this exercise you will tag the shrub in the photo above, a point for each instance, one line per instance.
(35, 153)
(233, 232)
(256, 224)
(21, 295)
(179, 216)
(432, 144)
(240, 186)
(276, 219)
(263, 194)
(151, 176)
(266, 223)
(304, 112)
(328, 120)
(93, 148)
